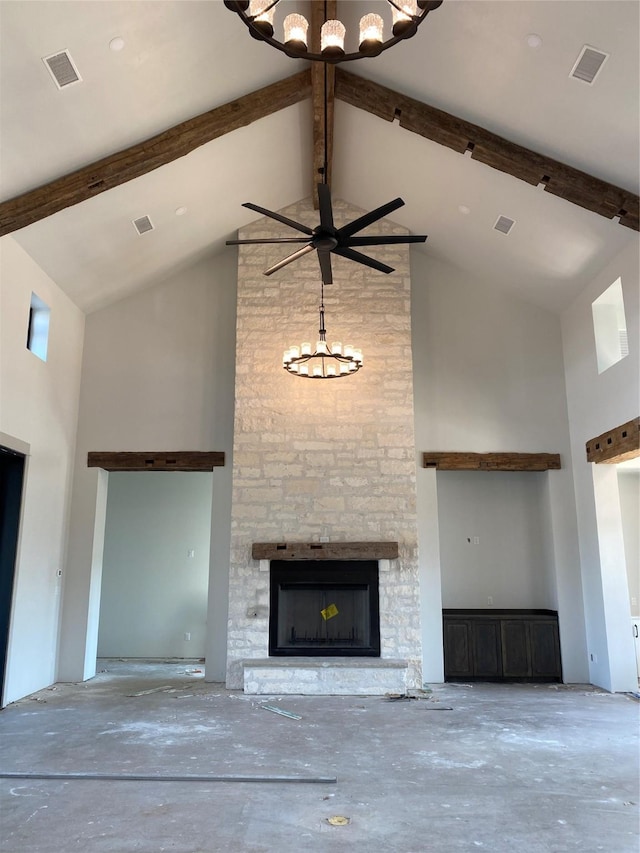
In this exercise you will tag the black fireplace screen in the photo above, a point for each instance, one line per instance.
(321, 608)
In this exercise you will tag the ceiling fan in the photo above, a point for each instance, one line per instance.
(326, 238)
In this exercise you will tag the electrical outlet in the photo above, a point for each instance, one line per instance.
(187, 635)
(634, 601)
(476, 540)
(191, 553)
(490, 600)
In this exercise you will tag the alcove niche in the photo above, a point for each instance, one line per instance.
(495, 540)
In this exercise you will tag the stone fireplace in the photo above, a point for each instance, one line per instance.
(317, 467)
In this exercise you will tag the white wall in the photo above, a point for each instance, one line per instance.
(598, 402)
(158, 374)
(154, 590)
(38, 410)
(488, 376)
(510, 562)
(629, 488)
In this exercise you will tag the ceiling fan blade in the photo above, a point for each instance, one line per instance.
(294, 257)
(279, 218)
(362, 259)
(368, 218)
(324, 257)
(326, 211)
(271, 240)
(385, 241)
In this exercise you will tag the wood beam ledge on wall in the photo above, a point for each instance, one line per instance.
(445, 461)
(180, 460)
(616, 445)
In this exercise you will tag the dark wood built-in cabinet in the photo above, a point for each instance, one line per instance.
(501, 645)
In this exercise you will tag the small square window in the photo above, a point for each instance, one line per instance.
(38, 331)
(610, 326)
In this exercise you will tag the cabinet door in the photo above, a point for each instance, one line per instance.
(545, 648)
(486, 648)
(457, 648)
(516, 661)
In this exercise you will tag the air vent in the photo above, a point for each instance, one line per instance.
(63, 69)
(503, 224)
(588, 64)
(143, 225)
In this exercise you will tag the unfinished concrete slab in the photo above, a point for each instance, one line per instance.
(510, 767)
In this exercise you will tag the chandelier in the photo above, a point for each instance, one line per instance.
(324, 362)
(258, 16)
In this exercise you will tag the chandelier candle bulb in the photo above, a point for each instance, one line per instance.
(332, 39)
(295, 31)
(371, 28)
(404, 14)
(336, 348)
(305, 349)
(262, 12)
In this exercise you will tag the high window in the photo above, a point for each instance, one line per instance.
(610, 326)
(38, 331)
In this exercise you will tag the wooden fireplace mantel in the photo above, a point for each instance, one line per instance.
(324, 551)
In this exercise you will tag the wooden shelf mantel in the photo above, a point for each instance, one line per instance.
(491, 461)
(324, 550)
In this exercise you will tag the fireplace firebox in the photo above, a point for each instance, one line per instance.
(324, 608)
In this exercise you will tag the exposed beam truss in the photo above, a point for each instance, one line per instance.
(322, 96)
(557, 178)
(136, 161)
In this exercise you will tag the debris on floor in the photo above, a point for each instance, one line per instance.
(152, 690)
(281, 711)
(339, 820)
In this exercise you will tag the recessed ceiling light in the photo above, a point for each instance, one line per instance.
(180, 211)
(464, 209)
(116, 44)
(534, 40)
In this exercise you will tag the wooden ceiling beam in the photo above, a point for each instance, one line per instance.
(322, 86)
(139, 159)
(557, 178)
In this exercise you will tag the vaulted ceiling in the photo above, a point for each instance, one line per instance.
(471, 58)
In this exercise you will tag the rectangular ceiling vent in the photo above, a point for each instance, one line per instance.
(143, 225)
(588, 64)
(503, 224)
(62, 68)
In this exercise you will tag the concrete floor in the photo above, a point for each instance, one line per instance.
(510, 768)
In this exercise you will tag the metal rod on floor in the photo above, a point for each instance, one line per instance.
(139, 777)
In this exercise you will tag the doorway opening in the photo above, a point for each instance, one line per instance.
(11, 482)
(155, 574)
